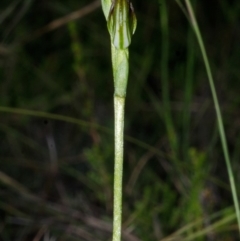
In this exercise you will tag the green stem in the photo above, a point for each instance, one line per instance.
(120, 75)
(218, 111)
(121, 21)
(119, 103)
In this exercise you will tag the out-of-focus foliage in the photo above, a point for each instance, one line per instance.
(56, 163)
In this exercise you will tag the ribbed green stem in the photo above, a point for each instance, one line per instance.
(120, 75)
(119, 103)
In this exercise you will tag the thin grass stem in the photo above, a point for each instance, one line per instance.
(217, 108)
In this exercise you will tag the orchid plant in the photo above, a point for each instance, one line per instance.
(121, 23)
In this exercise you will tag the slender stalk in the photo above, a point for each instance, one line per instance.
(121, 22)
(118, 168)
(120, 75)
(217, 108)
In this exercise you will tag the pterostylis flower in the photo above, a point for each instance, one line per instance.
(122, 23)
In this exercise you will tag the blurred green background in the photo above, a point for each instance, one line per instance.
(56, 122)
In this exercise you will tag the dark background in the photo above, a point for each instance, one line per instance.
(56, 123)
